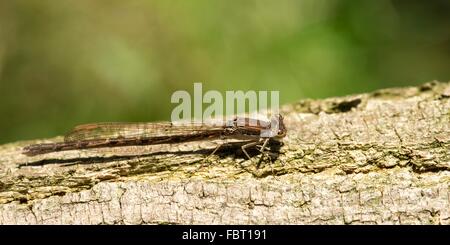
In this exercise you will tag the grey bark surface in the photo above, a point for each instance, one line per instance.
(376, 158)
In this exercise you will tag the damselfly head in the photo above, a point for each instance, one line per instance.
(275, 129)
(280, 125)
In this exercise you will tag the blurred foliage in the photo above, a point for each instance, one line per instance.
(68, 62)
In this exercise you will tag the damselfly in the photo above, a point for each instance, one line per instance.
(253, 132)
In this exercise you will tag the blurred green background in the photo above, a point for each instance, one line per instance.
(66, 62)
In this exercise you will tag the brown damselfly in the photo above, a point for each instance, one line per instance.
(253, 132)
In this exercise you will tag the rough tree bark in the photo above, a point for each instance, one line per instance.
(371, 158)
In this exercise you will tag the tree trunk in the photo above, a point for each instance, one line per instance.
(378, 158)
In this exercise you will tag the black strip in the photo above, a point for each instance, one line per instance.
(229, 234)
